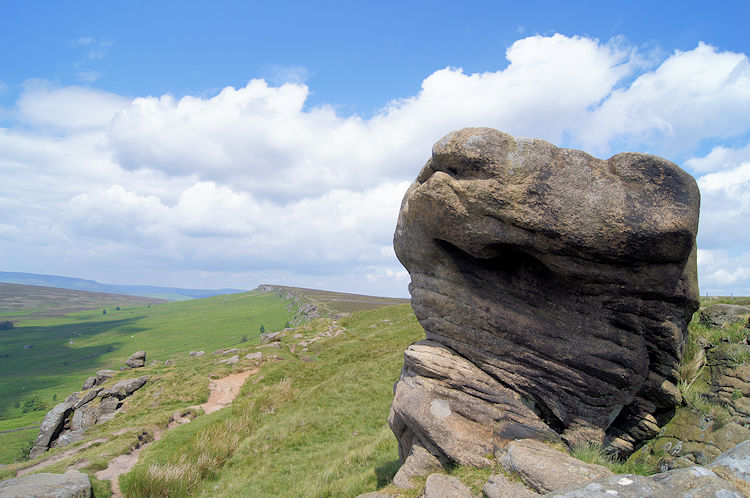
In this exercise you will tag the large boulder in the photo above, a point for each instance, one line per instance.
(555, 291)
(52, 425)
(72, 484)
(136, 360)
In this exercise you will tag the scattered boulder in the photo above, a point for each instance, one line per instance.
(197, 353)
(136, 360)
(270, 337)
(231, 361)
(561, 283)
(72, 484)
(168, 363)
(218, 351)
(51, 427)
(718, 315)
(231, 351)
(444, 486)
(546, 469)
(254, 356)
(499, 486)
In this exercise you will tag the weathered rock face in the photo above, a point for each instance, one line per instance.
(72, 484)
(51, 427)
(554, 289)
(67, 421)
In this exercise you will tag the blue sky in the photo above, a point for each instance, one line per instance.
(232, 143)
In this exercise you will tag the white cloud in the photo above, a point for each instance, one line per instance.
(691, 96)
(68, 108)
(723, 274)
(718, 159)
(725, 208)
(251, 185)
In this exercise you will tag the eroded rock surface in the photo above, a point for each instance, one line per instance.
(555, 290)
(72, 484)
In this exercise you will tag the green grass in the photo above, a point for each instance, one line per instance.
(66, 350)
(300, 428)
(598, 455)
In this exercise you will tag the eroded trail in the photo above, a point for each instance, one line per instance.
(222, 393)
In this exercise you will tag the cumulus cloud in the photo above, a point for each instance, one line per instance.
(692, 96)
(718, 159)
(69, 108)
(252, 185)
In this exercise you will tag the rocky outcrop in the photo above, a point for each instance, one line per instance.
(718, 315)
(555, 290)
(72, 484)
(66, 422)
(136, 360)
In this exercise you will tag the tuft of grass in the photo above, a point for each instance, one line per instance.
(596, 453)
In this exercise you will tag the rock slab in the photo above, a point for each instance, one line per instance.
(554, 289)
(72, 484)
(545, 469)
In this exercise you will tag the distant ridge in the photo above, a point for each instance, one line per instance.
(168, 293)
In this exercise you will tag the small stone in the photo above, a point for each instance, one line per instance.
(197, 353)
(254, 356)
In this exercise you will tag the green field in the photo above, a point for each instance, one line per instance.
(64, 351)
(45, 359)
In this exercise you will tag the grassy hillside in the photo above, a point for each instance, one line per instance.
(43, 360)
(334, 302)
(26, 302)
(49, 358)
(308, 423)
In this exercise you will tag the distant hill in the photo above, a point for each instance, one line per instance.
(168, 293)
(26, 302)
